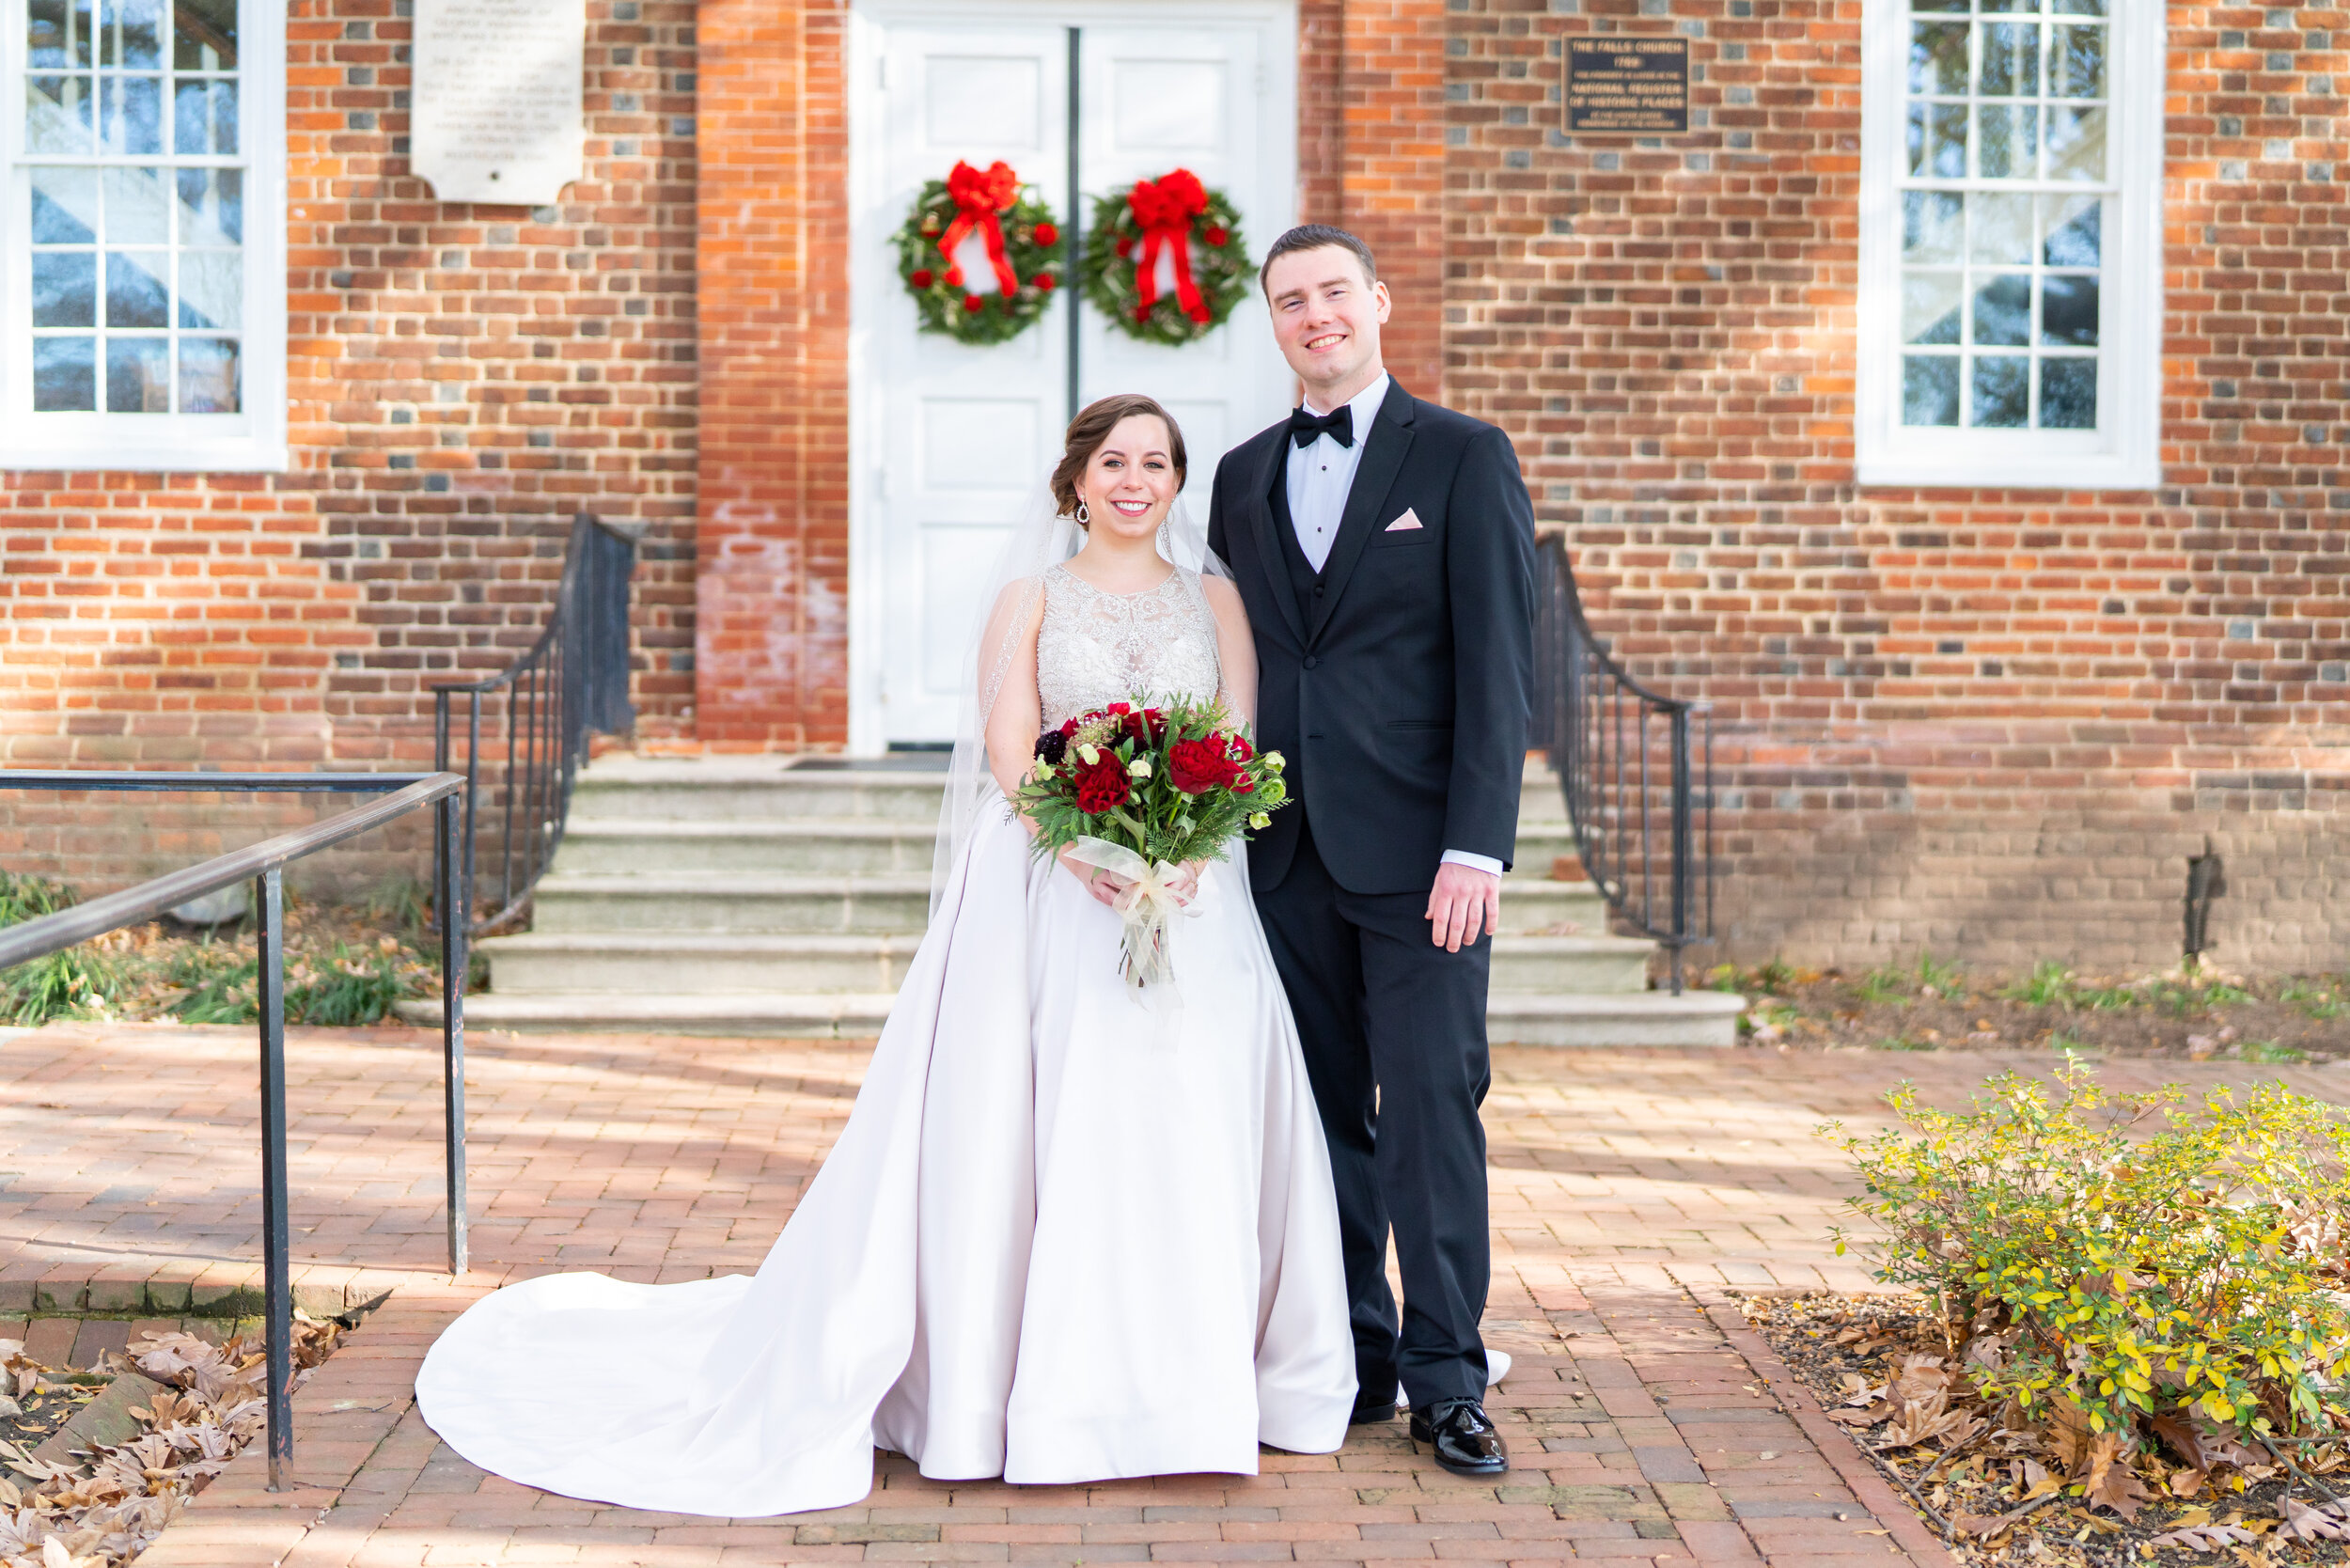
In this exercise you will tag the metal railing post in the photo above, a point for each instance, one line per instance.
(1683, 839)
(454, 900)
(276, 1286)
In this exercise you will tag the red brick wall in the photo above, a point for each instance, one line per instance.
(1989, 723)
(772, 654)
(1393, 86)
(463, 378)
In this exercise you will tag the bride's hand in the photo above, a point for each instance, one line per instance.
(1104, 885)
(1184, 884)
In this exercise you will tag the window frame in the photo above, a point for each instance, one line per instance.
(252, 441)
(2125, 451)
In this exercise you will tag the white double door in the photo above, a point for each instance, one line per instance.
(951, 441)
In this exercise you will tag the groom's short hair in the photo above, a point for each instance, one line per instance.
(1316, 236)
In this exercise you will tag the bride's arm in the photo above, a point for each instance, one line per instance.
(1018, 714)
(1235, 648)
(1012, 723)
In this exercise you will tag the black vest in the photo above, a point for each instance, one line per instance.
(1305, 581)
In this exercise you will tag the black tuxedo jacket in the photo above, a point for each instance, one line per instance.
(1400, 694)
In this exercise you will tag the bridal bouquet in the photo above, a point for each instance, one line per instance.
(1138, 792)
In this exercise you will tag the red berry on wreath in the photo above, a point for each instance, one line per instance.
(1046, 281)
(1125, 247)
(973, 303)
(1216, 237)
(920, 277)
(1048, 234)
(955, 277)
(1142, 315)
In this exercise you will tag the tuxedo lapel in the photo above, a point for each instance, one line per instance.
(1387, 444)
(1260, 518)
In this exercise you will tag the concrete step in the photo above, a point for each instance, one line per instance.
(653, 962)
(650, 963)
(1552, 908)
(1647, 1018)
(629, 788)
(709, 901)
(810, 846)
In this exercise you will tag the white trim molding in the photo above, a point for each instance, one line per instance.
(2010, 312)
(150, 214)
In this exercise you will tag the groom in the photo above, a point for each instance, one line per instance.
(1385, 549)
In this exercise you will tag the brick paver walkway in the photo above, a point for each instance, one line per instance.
(1630, 1189)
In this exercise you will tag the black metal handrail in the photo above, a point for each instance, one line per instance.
(1643, 822)
(264, 864)
(572, 682)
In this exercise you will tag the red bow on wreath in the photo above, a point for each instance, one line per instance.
(978, 199)
(1164, 210)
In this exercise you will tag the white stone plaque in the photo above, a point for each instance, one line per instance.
(495, 107)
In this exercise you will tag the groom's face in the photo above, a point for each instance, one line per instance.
(1326, 315)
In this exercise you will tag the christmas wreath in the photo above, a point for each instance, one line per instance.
(1174, 215)
(1023, 251)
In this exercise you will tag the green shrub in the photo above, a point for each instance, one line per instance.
(2141, 1260)
(74, 983)
(348, 989)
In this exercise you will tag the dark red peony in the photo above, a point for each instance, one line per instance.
(1196, 767)
(1102, 784)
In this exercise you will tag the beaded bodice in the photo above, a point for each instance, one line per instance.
(1094, 649)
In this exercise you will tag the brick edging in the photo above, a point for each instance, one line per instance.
(1899, 1515)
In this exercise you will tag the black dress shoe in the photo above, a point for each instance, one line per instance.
(1369, 1411)
(1464, 1440)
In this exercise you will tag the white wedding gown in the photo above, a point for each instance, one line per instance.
(1062, 1237)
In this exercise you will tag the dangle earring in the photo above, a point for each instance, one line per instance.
(1085, 518)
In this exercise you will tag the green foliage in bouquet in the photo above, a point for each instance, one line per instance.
(2160, 1268)
(1173, 784)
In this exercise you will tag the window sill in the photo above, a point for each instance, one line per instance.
(2101, 472)
(217, 457)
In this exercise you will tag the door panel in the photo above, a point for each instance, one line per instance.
(953, 440)
(965, 432)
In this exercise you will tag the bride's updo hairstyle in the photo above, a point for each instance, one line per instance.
(1090, 430)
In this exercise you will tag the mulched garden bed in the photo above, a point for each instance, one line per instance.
(102, 1490)
(1881, 1367)
(2189, 1015)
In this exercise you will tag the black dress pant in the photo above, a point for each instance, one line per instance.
(1393, 1028)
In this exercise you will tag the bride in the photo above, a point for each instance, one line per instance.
(1063, 1237)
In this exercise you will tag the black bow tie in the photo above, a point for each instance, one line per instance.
(1338, 425)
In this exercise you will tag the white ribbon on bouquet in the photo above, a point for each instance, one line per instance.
(1147, 903)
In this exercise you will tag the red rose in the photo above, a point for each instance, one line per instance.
(1071, 727)
(1216, 237)
(973, 303)
(955, 277)
(1102, 784)
(1196, 767)
(1046, 281)
(1048, 234)
(920, 277)
(1239, 748)
(1158, 722)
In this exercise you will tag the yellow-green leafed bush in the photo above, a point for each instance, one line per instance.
(2148, 1261)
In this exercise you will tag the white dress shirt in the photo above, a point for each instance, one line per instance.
(1320, 476)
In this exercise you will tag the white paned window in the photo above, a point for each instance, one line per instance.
(143, 271)
(2010, 243)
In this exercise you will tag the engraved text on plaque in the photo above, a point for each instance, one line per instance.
(496, 112)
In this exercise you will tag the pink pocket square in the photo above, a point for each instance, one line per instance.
(1405, 524)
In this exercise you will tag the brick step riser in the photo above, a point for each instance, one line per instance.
(754, 801)
(542, 973)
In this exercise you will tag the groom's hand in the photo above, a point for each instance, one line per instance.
(1464, 903)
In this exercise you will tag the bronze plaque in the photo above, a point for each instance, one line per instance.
(1636, 86)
